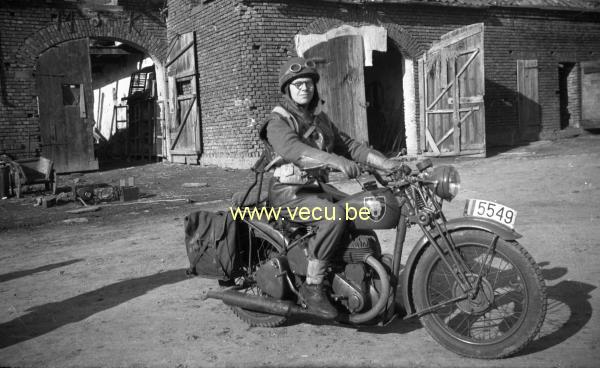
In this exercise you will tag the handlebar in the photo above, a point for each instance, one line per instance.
(384, 178)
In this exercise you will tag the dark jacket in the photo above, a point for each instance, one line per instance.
(286, 137)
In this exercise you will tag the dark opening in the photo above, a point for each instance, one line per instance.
(70, 94)
(385, 101)
(567, 89)
(125, 105)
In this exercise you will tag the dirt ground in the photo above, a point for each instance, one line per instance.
(109, 289)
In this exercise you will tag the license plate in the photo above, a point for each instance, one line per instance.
(491, 210)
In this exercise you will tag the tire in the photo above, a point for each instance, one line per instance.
(262, 250)
(507, 312)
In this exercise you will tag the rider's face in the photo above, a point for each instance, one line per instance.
(302, 90)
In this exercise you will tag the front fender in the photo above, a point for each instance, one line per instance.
(460, 223)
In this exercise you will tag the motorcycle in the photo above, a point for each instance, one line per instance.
(476, 290)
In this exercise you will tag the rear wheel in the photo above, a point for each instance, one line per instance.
(502, 317)
(262, 250)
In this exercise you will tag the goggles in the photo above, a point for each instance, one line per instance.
(296, 68)
(309, 84)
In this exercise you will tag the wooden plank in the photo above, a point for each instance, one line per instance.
(431, 142)
(444, 137)
(422, 102)
(467, 100)
(451, 84)
(179, 54)
(457, 35)
(341, 86)
(455, 114)
(528, 99)
(450, 111)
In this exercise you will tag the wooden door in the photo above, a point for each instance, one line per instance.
(65, 98)
(528, 100)
(452, 86)
(340, 62)
(590, 94)
(184, 134)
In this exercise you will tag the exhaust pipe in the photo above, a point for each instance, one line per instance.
(261, 304)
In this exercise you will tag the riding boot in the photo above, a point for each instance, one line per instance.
(313, 292)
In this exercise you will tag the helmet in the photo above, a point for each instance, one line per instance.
(297, 67)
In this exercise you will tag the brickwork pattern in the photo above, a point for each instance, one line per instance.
(29, 28)
(241, 44)
(234, 102)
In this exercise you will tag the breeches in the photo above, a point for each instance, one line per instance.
(326, 216)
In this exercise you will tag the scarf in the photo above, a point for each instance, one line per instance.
(303, 116)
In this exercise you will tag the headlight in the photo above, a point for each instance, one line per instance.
(445, 182)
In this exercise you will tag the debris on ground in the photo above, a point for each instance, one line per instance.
(194, 185)
(75, 220)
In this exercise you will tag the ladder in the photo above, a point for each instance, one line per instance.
(138, 83)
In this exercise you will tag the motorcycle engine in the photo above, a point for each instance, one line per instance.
(352, 285)
(360, 247)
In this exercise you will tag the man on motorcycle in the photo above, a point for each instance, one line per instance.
(307, 141)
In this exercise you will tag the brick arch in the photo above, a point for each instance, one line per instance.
(150, 40)
(405, 42)
(410, 49)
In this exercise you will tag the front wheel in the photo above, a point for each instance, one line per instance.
(504, 315)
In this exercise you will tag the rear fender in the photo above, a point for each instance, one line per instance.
(267, 232)
(459, 223)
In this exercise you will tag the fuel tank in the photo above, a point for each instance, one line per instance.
(372, 209)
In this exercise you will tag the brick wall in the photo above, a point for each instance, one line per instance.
(27, 28)
(241, 45)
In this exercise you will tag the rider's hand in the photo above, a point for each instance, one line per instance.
(348, 167)
(390, 165)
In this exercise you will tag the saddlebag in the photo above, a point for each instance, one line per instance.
(211, 244)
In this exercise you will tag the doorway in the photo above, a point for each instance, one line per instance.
(126, 128)
(384, 95)
(569, 86)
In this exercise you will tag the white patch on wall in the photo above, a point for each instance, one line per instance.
(410, 108)
(374, 38)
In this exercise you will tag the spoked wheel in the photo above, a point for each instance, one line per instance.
(505, 313)
(261, 251)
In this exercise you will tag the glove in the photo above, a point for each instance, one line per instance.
(380, 162)
(348, 167)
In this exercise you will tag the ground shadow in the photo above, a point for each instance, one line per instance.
(569, 310)
(395, 326)
(594, 131)
(48, 317)
(116, 164)
(18, 274)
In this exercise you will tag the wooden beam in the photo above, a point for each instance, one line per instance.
(108, 51)
(431, 142)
